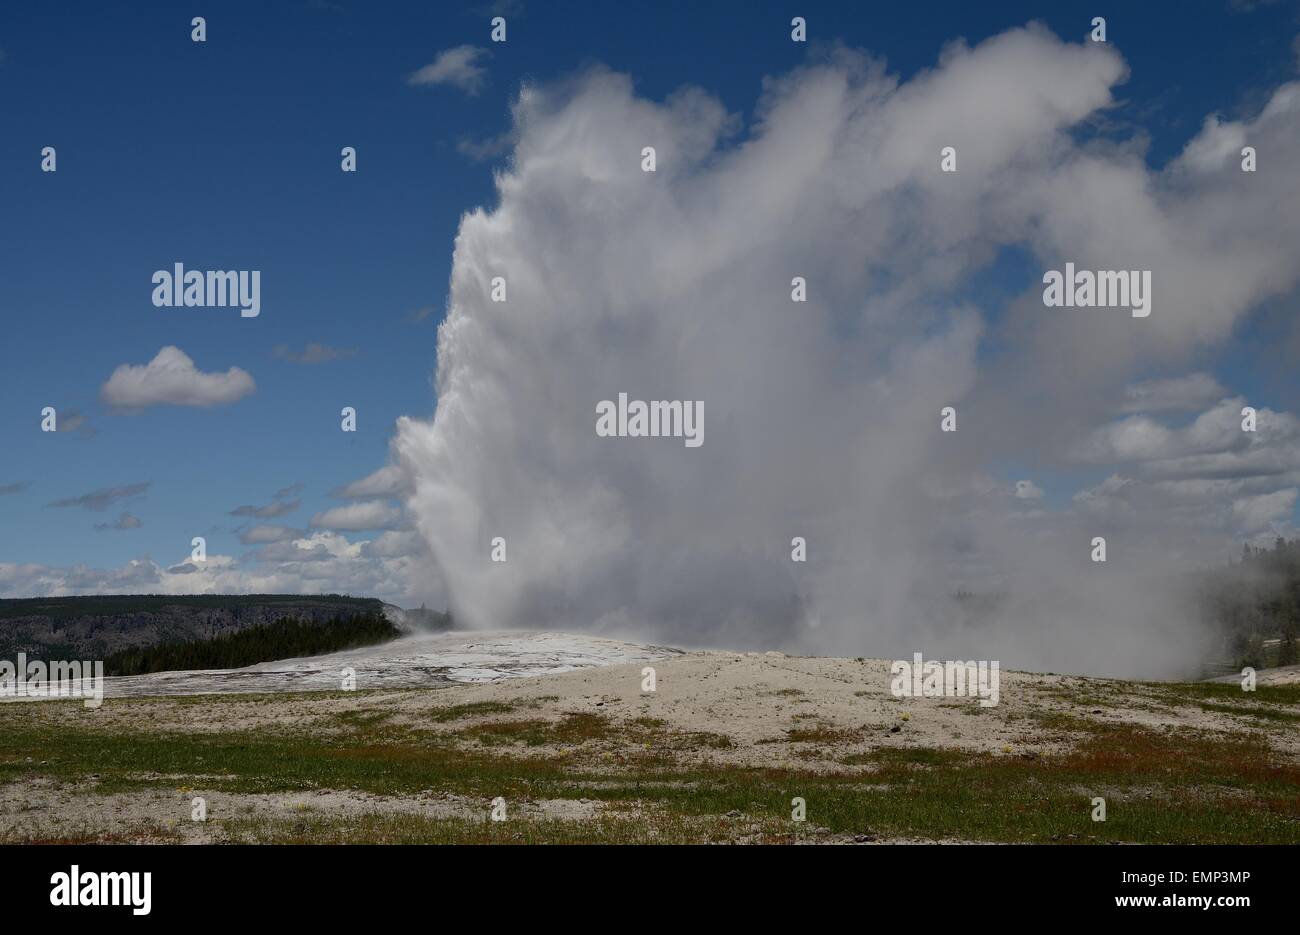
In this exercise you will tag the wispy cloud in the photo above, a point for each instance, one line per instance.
(388, 481)
(368, 514)
(509, 8)
(457, 67)
(73, 420)
(103, 498)
(285, 501)
(313, 353)
(1177, 394)
(261, 535)
(125, 521)
(277, 508)
(488, 148)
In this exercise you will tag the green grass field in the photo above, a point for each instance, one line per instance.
(1160, 786)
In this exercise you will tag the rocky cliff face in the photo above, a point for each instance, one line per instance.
(93, 627)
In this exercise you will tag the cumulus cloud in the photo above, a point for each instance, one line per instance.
(1265, 510)
(458, 67)
(290, 553)
(172, 379)
(324, 562)
(1204, 476)
(823, 416)
(367, 514)
(1212, 444)
(397, 543)
(30, 580)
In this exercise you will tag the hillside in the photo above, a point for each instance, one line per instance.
(98, 626)
(1255, 605)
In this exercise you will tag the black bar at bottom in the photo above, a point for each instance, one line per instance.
(213, 885)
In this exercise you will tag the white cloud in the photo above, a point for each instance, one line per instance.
(396, 543)
(172, 379)
(458, 67)
(367, 514)
(1218, 144)
(321, 546)
(1265, 510)
(1205, 476)
(1176, 394)
(1028, 490)
(1133, 438)
(263, 534)
(1211, 445)
(324, 562)
(388, 481)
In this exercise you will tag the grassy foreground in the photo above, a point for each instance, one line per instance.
(571, 777)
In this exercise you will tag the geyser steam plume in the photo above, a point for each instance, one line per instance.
(822, 418)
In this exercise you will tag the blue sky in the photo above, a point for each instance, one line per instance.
(225, 155)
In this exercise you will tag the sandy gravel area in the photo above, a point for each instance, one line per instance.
(752, 709)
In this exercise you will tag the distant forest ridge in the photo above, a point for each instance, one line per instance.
(104, 626)
(287, 638)
(1255, 604)
(113, 605)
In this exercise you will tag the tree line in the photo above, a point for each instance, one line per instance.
(1256, 604)
(286, 638)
